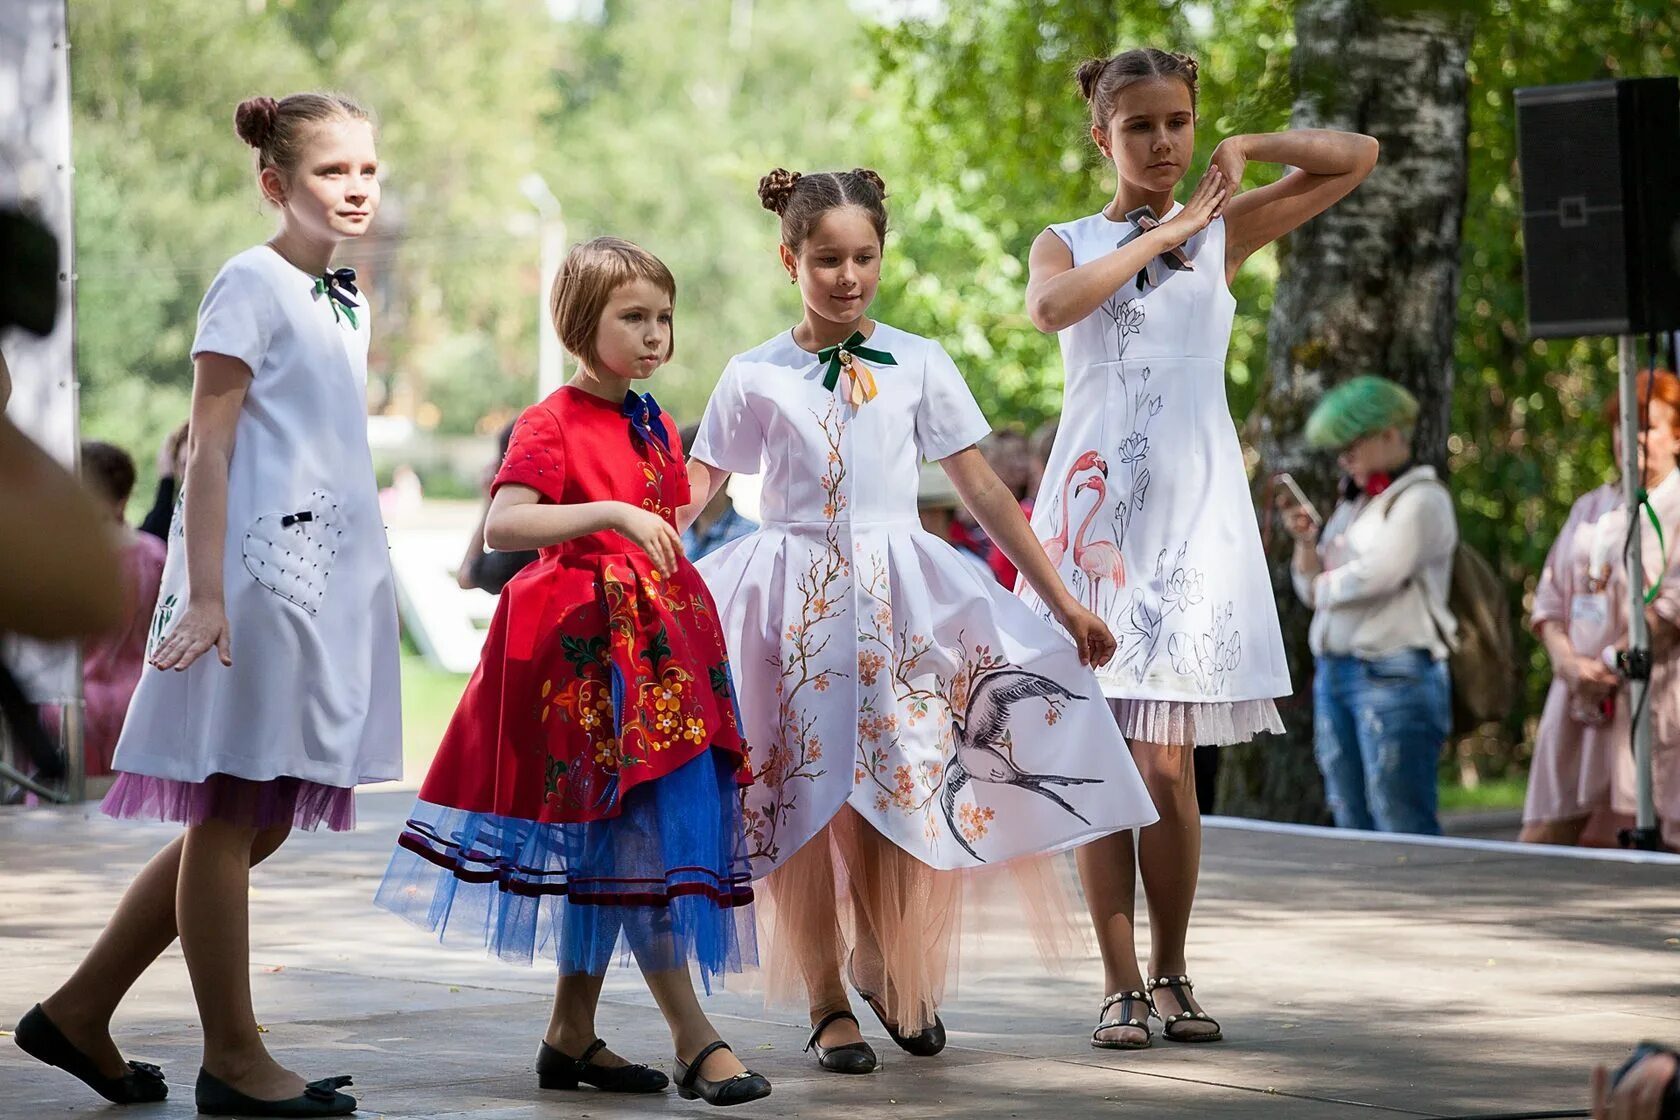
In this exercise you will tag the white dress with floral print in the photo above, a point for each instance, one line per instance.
(1145, 504)
(875, 667)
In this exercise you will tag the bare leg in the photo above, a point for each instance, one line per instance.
(1169, 857)
(1565, 832)
(571, 1025)
(691, 1031)
(140, 929)
(213, 914)
(1108, 872)
(814, 929)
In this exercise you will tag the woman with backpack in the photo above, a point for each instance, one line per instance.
(1377, 578)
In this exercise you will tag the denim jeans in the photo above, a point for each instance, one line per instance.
(1378, 728)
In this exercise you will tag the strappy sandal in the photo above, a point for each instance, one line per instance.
(1181, 987)
(1125, 1000)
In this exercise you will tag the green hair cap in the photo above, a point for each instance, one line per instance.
(1359, 407)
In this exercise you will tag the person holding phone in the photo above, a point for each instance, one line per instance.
(1377, 579)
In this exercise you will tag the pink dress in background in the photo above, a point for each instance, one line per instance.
(1585, 769)
(111, 663)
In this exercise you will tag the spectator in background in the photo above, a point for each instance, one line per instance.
(937, 503)
(719, 523)
(111, 662)
(1377, 583)
(483, 568)
(1581, 782)
(171, 469)
(1007, 451)
(1043, 438)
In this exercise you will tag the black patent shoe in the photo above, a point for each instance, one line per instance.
(41, 1039)
(925, 1043)
(320, 1098)
(850, 1057)
(556, 1070)
(743, 1087)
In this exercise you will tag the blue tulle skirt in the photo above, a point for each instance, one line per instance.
(666, 882)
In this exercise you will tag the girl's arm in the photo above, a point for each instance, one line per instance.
(1059, 295)
(1328, 165)
(997, 511)
(704, 480)
(220, 383)
(520, 520)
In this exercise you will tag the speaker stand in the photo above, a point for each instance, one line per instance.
(1636, 663)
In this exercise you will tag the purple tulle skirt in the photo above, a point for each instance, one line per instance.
(276, 803)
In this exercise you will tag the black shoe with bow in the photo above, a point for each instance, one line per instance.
(743, 1087)
(557, 1070)
(41, 1039)
(320, 1098)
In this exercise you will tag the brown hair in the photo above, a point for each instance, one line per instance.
(279, 130)
(801, 200)
(108, 469)
(1101, 79)
(592, 272)
(1657, 384)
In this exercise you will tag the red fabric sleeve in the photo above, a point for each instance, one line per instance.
(536, 455)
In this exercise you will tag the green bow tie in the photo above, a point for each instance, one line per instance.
(852, 347)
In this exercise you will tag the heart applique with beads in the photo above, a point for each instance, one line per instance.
(292, 553)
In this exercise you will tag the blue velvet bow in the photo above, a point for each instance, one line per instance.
(643, 413)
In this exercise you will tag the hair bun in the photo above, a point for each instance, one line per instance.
(1190, 64)
(254, 120)
(776, 188)
(872, 177)
(1088, 73)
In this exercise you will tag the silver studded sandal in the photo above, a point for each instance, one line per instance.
(1126, 1019)
(1181, 987)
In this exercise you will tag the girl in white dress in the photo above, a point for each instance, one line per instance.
(272, 688)
(910, 721)
(1145, 501)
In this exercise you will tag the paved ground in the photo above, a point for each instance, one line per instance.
(1355, 978)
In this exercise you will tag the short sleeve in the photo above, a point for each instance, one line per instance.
(948, 419)
(1063, 234)
(234, 317)
(536, 457)
(1557, 578)
(731, 437)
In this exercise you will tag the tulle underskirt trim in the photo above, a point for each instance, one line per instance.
(275, 803)
(666, 882)
(853, 903)
(1180, 723)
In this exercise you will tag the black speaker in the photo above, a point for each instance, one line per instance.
(1600, 165)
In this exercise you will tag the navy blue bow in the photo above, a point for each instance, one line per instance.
(643, 413)
(339, 286)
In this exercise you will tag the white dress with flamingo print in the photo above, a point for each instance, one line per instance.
(1145, 505)
(874, 666)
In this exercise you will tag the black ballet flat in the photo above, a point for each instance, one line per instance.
(558, 1070)
(850, 1057)
(925, 1043)
(320, 1098)
(41, 1039)
(743, 1087)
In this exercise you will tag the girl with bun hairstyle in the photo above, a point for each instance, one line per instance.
(272, 686)
(1148, 475)
(912, 724)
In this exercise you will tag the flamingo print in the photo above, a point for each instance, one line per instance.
(1100, 559)
(1056, 547)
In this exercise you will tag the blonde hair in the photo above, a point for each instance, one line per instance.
(279, 130)
(592, 272)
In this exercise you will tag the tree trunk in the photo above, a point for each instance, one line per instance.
(1369, 287)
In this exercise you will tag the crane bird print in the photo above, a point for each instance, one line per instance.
(985, 751)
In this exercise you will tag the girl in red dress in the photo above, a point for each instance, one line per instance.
(586, 794)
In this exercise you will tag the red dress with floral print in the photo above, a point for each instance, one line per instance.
(598, 673)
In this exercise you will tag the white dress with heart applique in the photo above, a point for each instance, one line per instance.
(313, 691)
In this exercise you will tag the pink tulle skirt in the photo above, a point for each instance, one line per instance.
(853, 904)
(276, 803)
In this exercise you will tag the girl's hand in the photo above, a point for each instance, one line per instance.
(1300, 524)
(653, 535)
(1205, 204)
(1231, 160)
(1590, 679)
(201, 626)
(1090, 633)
